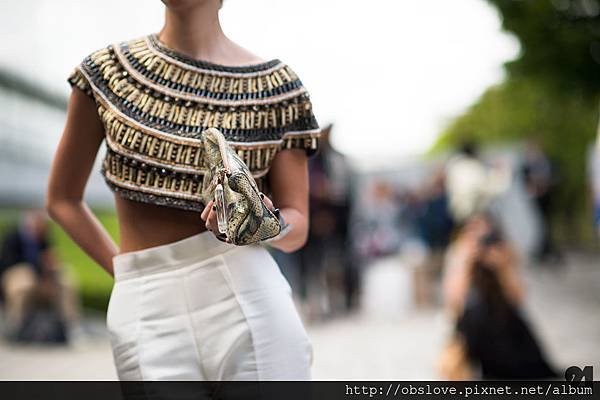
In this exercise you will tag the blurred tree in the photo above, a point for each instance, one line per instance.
(551, 93)
(560, 41)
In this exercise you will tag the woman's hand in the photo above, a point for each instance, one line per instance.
(467, 252)
(209, 216)
(267, 202)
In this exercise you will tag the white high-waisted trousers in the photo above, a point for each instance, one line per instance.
(202, 309)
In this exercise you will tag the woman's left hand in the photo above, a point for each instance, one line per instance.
(209, 216)
(267, 202)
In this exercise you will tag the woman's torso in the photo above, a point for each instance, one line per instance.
(143, 225)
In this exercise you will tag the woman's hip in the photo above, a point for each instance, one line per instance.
(201, 263)
(232, 304)
(190, 275)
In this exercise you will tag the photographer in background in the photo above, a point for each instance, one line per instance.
(484, 292)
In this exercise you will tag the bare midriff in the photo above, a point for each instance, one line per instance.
(142, 225)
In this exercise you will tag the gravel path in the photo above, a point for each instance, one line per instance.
(387, 339)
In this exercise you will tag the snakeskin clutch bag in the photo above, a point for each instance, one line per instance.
(241, 213)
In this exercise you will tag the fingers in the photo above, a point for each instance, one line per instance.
(267, 201)
(211, 220)
(209, 216)
(207, 210)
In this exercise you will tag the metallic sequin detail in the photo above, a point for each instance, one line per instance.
(154, 102)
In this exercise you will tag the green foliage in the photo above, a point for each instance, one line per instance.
(560, 40)
(93, 282)
(525, 108)
(551, 94)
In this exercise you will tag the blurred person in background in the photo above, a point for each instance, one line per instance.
(471, 184)
(435, 221)
(594, 173)
(409, 208)
(327, 266)
(434, 225)
(40, 302)
(378, 232)
(540, 181)
(484, 294)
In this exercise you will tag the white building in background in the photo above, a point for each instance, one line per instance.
(31, 119)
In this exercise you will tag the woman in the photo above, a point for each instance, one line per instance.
(484, 292)
(186, 305)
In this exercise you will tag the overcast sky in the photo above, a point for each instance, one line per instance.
(388, 73)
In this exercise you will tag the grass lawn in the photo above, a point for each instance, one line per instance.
(94, 283)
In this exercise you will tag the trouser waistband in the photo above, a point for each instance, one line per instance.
(196, 248)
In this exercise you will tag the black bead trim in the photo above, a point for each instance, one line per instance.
(208, 65)
(237, 135)
(285, 88)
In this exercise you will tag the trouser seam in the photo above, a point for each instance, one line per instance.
(193, 330)
(229, 280)
(138, 324)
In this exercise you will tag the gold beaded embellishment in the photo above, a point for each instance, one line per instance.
(155, 102)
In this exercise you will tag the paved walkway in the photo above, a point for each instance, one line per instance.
(387, 339)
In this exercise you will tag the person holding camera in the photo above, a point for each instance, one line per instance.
(484, 292)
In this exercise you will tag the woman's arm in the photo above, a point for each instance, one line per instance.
(507, 268)
(458, 268)
(288, 179)
(70, 171)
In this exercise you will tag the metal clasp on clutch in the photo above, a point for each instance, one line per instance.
(221, 209)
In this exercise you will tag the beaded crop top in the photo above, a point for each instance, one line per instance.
(154, 102)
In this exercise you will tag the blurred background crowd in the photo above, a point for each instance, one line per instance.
(471, 255)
